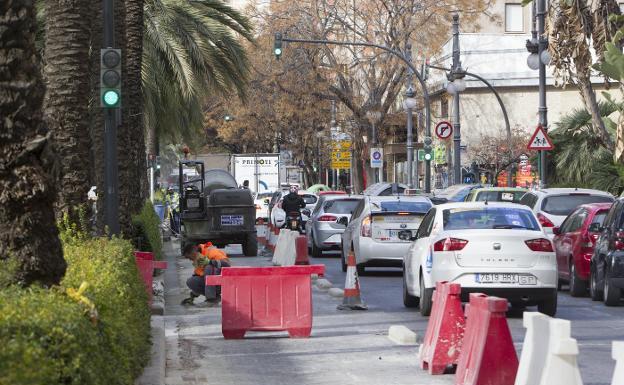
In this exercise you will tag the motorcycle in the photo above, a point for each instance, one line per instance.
(293, 221)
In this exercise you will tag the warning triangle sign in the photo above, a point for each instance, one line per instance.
(539, 140)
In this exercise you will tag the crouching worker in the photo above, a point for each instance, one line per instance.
(208, 261)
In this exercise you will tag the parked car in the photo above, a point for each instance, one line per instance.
(454, 193)
(606, 280)
(261, 200)
(493, 248)
(551, 206)
(323, 230)
(278, 215)
(574, 243)
(385, 189)
(380, 229)
(495, 194)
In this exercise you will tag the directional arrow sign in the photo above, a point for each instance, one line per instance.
(539, 140)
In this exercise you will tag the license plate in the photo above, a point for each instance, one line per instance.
(232, 220)
(506, 278)
(192, 203)
(396, 234)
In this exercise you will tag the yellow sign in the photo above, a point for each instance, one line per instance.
(341, 155)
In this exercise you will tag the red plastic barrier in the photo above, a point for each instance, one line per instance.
(301, 245)
(146, 265)
(266, 299)
(488, 356)
(445, 330)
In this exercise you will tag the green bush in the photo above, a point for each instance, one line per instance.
(146, 228)
(98, 334)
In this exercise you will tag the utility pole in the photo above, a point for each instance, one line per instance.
(456, 66)
(111, 178)
(543, 110)
(409, 145)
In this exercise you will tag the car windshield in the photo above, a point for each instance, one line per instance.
(500, 196)
(341, 206)
(309, 199)
(565, 204)
(460, 195)
(599, 217)
(488, 218)
(396, 206)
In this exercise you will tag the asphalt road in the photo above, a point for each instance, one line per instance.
(593, 324)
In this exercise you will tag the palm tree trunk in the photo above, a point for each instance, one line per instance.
(28, 230)
(66, 103)
(589, 99)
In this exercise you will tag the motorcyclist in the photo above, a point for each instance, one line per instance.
(293, 202)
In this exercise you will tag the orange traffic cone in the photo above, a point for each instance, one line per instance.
(352, 299)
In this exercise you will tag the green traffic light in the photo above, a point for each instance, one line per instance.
(427, 156)
(278, 51)
(110, 98)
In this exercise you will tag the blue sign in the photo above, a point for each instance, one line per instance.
(376, 157)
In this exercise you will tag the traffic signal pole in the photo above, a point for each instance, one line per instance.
(111, 191)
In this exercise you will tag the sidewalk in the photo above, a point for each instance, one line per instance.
(345, 347)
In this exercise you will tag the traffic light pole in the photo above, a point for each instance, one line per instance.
(111, 193)
(280, 38)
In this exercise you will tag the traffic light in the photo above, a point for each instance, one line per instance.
(110, 78)
(428, 148)
(277, 46)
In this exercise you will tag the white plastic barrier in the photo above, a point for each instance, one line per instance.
(617, 353)
(534, 348)
(261, 233)
(280, 247)
(561, 366)
(272, 239)
(290, 254)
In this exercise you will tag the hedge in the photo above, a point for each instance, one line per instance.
(146, 228)
(98, 334)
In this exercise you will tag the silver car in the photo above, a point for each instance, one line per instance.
(381, 230)
(324, 228)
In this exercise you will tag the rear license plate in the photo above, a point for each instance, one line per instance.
(506, 278)
(395, 235)
(232, 220)
(192, 203)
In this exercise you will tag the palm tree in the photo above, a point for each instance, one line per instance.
(28, 232)
(580, 160)
(191, 48)
(67, 44)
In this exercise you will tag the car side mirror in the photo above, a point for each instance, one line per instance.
(595, 228)
(344, 221)
(556, 230)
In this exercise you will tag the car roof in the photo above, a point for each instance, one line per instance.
(340, 197)
(570, 190)
(468, 205)
(520, 189)
(402, 198)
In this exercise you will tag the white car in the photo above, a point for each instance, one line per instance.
(261, 201)
(380, 229)
(494, 248)
(278, 216)
(551, 206)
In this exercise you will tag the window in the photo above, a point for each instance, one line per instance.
(528, 199)
(565, 204)
(341, 206)
(412, 207)
(514, 18)
(488, 218)
(425, 226)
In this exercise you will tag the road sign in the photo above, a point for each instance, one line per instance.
(444, 130)
(341, 154)
(376, 157)
(539, 140)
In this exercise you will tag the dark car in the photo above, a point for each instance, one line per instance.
(607, 263)
(574, 245)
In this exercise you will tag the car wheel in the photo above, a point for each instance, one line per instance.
(595, 292)
(250, 246)
(316, 252)
(409, 301)
(559, 284)
(343, 262)
(548, 306)
(361, 270)
(578, 287)
(611, 294)
(426, 298)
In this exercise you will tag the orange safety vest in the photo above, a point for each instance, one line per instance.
(210, 252)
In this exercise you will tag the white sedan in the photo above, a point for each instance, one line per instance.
(488, 247)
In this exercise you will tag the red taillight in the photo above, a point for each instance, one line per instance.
(541, 244)
(450, 244)
(365, 231)
(545, 222)
(619, 240)
(327, 218)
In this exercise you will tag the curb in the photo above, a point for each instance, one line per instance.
(158, 299)
(154, 372)
(402, 335)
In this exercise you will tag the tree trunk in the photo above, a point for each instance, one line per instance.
(591, 104)
(66, 105)
(618, 152)
(28, 232)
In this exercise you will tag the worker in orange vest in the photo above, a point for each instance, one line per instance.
(207, 260)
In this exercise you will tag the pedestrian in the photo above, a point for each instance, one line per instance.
(207, 260)
(245, 185)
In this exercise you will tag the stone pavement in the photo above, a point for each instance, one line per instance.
(345, 347)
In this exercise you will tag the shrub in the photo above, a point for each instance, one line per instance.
(55, 337)
(146, 231)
